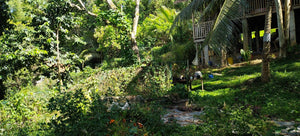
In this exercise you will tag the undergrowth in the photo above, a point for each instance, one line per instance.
(235, 102)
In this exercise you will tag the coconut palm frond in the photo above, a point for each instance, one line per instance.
(167, 14)
(208, 10)
(226, 24)
(186, 13)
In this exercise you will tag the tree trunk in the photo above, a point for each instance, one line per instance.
(58, 59)
(281, 34)
(293, 37)
(265, 72)
(287, 12)
(134, 30)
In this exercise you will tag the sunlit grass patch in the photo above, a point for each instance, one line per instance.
(242, 86)
(217, 92)
(226, 82)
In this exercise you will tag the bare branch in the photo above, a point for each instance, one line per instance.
(111, 4)
(76, 6)
(82, 8)
(91, 13)
(81, 3)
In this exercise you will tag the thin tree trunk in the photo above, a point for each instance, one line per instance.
(281, 33)
(58, 59)
(134, 30)
(287, 9)
(265, 72)
(293, 39)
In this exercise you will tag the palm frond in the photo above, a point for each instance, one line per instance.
(186, 13)
(226, 26)
(167, 14)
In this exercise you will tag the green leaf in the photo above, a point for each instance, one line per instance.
(49, 40)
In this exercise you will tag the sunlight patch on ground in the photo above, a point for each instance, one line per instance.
(213, 93)
(233, 80)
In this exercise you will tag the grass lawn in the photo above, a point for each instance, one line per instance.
(278, 99)
(237, 95)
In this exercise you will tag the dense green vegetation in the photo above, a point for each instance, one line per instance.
(68, 67)
(235, 100)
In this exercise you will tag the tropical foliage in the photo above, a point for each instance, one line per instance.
(80, 67)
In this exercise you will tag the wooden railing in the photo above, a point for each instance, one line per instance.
(296, 2)
(255, 7)
(201, 30)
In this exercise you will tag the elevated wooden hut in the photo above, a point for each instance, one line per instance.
(252, 22)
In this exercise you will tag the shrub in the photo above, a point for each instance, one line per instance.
(232, 121)
(152, 81)
(148, 81)
(178, 91)
(79, 114)
(25, 112)
(246, 55)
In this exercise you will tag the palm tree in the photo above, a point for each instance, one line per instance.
(225, 24)
(265, 72)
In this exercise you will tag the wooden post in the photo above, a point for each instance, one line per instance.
(202, 56)
(257, 37)
(293, 39)
(245, 34)
(206, 55)
(193, 27)
(187, 75)
(249, 38)
(223, 58)
(202, 84)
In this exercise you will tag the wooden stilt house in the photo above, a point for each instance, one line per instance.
(252, 23)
